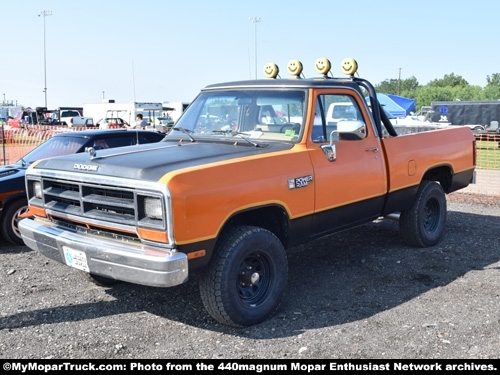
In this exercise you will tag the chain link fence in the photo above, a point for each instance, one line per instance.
(16, 143)
(486, 190)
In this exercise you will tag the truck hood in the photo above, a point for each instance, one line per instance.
(152, 161)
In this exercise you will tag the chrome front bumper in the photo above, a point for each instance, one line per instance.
(120, 260)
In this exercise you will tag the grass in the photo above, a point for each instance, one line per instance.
(488, 155)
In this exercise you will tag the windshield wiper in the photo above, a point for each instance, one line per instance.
(234, 133)
(186, 131)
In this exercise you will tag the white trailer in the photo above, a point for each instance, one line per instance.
(172, 111)
(125, 111)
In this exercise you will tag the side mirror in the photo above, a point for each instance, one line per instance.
(348, 130)
(330, 150)
(351, 130)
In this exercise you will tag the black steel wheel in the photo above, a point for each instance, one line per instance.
(423, 224)
(246, 278)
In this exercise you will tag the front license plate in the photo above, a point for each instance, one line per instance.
(76, 259)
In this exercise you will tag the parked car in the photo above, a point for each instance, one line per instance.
(13, 201)
(111, 123)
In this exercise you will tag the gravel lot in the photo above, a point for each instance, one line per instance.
(358, 294)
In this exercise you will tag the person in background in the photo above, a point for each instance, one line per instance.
(267, 119)
(140, 123)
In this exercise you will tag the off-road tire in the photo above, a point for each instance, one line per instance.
(246, 278)
(423, 224)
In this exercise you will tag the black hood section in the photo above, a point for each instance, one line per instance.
(12, 178)
(152, 161)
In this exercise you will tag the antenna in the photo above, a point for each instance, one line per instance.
(255, 21)
(133, 78)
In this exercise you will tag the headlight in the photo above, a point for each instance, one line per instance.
(152, 208)
(37, 189)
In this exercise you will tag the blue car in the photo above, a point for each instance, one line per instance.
(13, 200)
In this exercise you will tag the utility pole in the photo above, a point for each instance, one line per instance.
(399, 83)
(133, 77)
(255, 21)
(45, 13)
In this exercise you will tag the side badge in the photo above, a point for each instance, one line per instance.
(299, 182)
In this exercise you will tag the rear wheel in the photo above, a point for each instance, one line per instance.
(10, 221)
(246, 278)
(423, 224)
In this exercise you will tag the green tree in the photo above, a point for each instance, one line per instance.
(427, 94)
(389, 86)
(491, 92)
(397, 87)
(493, 80)
(450, 87)
(449, 80)
(409, 84)
(468, 93)
(492, 88)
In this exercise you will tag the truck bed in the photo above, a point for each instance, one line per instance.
(436, 148)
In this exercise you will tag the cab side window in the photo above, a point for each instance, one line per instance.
(100, 144)
(330, 110)
(119, 142)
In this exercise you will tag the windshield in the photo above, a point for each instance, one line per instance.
(69, 114)
(55, 146)
(258, 114)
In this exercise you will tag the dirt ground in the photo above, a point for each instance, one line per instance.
(357, 294)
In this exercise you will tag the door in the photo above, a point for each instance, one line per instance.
(351, 189)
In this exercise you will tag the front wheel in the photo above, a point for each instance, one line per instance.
(422, 225)
(246, 278)
(100, 280)
(10, 221)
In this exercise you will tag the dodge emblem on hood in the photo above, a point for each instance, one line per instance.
(86, 167)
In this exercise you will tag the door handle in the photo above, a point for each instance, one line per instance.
(372, 149)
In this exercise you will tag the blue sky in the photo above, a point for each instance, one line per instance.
(161, 50)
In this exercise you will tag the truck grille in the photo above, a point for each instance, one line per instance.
(97, 203)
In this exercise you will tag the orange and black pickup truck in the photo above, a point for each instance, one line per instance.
(249, 170)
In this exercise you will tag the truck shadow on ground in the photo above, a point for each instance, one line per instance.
(8, 248)
(335, 280)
